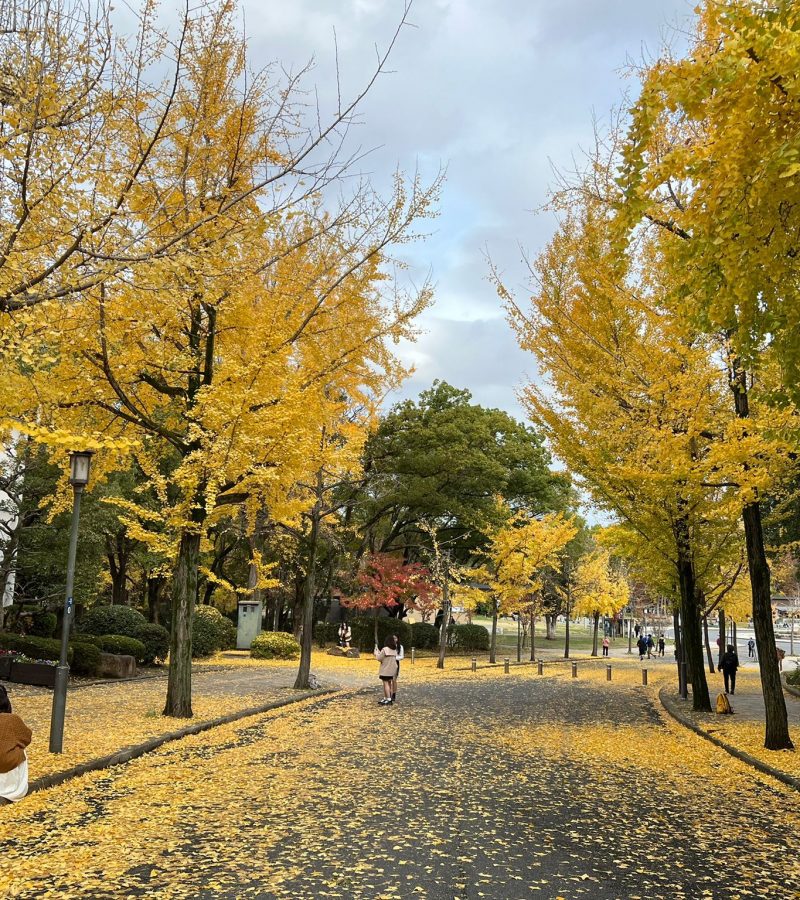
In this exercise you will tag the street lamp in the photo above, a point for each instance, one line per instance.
(79, 466)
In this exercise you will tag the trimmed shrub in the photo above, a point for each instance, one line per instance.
(364, 631)
(275, 645)
(424, 636)
(85, 659)
(155, 639)
(470, 637)
(33, 647)
(211, 631)
(44, 623)
(112, 620)
(794, 677)
(326, 633)
(122, 645)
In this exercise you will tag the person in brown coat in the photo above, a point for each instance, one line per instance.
(387, 657)
(14, 738)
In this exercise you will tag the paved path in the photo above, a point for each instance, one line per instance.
(502, 788)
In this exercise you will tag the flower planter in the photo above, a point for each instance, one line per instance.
(5, 666)
(33, 673)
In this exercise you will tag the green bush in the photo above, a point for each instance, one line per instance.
(85, 659)
(43, 623)
(33, 647)
(156, 643)
(364, 631)
(122, 645)
(794, 677)
(470, 637)
(326, 633)
(112, 620)
(424, 636)
(211, 631)
(275, 645)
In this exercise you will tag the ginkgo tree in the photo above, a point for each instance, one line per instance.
(711, 161)
(597, 591)
(515, 557)
(222, 363)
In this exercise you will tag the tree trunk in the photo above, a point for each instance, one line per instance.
(550, 621)
(184, 597)
(776, 735)
(519, 637)
(722, 635)
(708, 645)
(690, 619)
(297, 609)
(594, 634)
(493, 645)
(533, 637)
(676, 628)
(155, 584)
(306, 636)
(566, 628)
(630, 634)
(446, 617)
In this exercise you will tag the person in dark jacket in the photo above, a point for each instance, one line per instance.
(642, 645)
(729, 663)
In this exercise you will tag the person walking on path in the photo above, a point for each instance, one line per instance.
(729, 663)
(650, 644)
(605, 646)
(636, 630)
(14, 738)
(387, 673)
(751, 649)
(642, 645)
(401, 654)
(781, 653)
(661, 645)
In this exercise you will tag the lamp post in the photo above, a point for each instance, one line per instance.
(79, 465)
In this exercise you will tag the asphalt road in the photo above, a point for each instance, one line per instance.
(497, 787)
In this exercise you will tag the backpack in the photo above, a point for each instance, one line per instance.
(723, 705)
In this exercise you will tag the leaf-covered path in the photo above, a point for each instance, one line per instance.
(495, 786)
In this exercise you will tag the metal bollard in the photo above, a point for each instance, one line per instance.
(644, 677)
(413, 655)
(474, 664)
(608, 673)
(574, 670)
(541, 667)
(505, 665)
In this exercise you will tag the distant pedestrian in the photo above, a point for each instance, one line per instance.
(345, 635)
(661, 645)
(14, 738)
(781, 653)
(728, 664)
(636, 630)
(387, 673)
(605, 646)
(751, 649)
(642, 645)
(401, 654)
(650, 643)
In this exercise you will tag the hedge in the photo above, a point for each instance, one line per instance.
(122, 620)
(122, 645)
(211, 631)
(470, 637)
(85, 659)
(424, 636)
(364, 631)
(326, 633)
(274, 645)
(155, 639)
(33, 647)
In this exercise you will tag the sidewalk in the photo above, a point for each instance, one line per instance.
(105, 718)
(744, 730)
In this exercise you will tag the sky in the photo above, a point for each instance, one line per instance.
(498, 92)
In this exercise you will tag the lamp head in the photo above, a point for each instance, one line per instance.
(80, 462)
